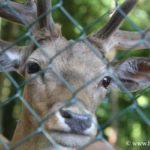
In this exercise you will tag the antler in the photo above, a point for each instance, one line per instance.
(116, 19)
(124, 40)
(18, 12)
(44, 9)
(111, 37)
(27, 14)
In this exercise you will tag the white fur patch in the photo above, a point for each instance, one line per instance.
(69, 140)
(92, 131)
(12, 55)
(61, 123)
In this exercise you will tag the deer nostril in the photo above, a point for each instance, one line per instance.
(66, 114)
(77, 122)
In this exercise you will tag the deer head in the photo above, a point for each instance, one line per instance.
(67, 79)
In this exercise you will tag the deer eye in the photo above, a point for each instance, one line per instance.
(106, 81)
(33, 67)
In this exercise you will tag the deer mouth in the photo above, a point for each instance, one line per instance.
(70, 139)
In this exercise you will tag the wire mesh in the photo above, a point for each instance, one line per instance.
(132, 107)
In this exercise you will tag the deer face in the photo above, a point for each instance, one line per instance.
(74, 122)
(71, 121)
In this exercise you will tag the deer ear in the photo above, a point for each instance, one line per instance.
(134, 73)
(14, 59)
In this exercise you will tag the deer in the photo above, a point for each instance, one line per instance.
(56, 70)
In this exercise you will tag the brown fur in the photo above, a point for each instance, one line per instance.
(78, 64)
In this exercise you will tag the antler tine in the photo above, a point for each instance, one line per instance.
(116, 19)
(25, 14)
(44, 9)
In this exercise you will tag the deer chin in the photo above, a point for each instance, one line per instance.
(71, 140)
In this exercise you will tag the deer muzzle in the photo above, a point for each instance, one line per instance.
(71, 125)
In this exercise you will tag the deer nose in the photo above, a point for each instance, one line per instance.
(77, 122)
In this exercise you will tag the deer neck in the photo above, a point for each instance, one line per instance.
(27, 125)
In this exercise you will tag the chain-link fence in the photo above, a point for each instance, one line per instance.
(116, 113)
